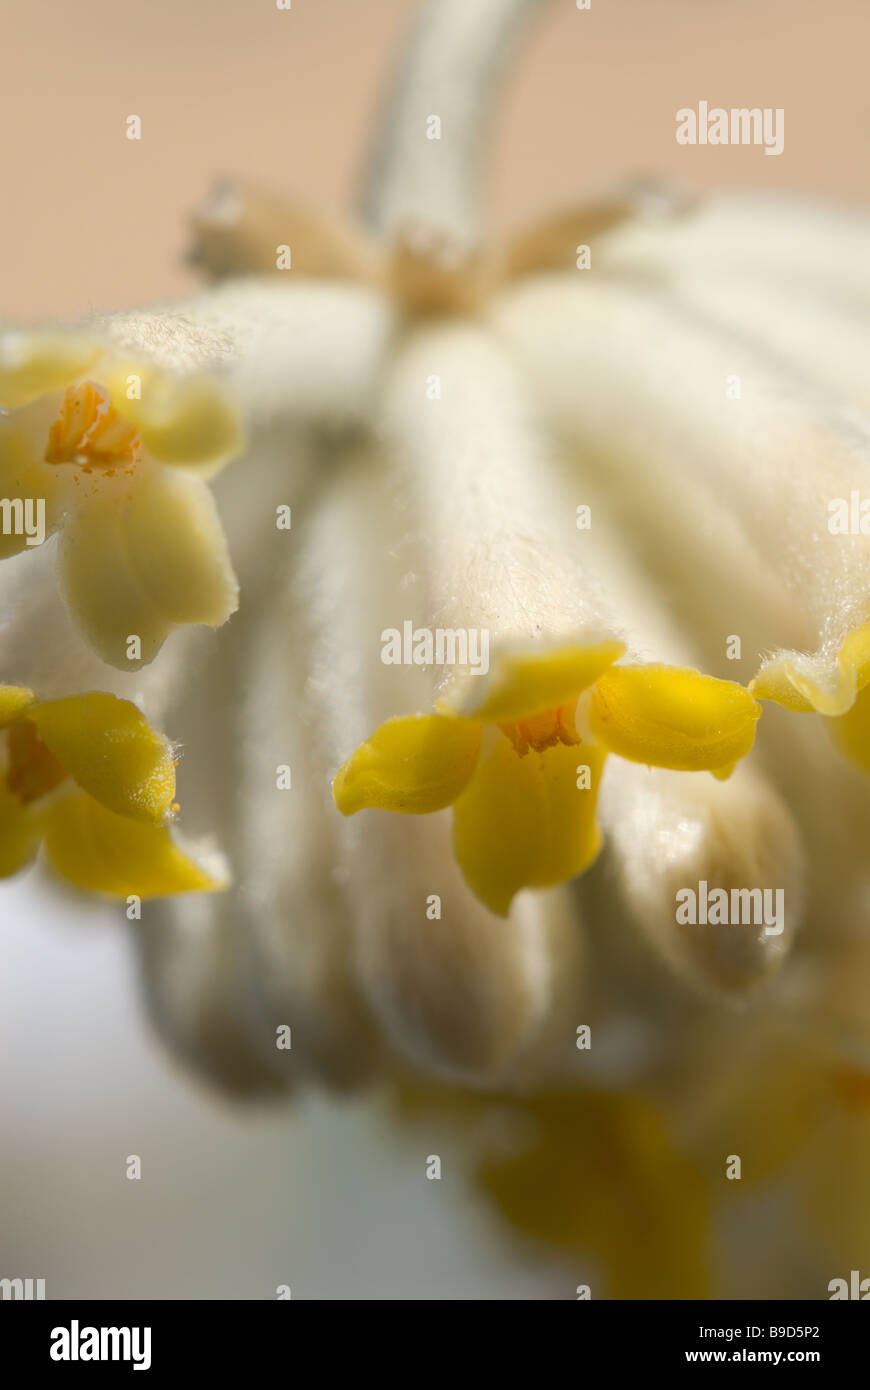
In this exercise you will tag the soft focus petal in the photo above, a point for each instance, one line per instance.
(102, 852)
(13, 699)
(32, 364)
(142, 561)
(28, 486)
(414, 763)
(525, 822)
(601, 1176)
(20, 831)
(107, 746)
(851, 731)
(188, 421)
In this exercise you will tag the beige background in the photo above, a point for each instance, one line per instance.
(94, 220)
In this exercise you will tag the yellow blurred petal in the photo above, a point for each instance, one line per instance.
(668, 716)
(854, 654)
(102, 852)
(764, 1114)
(177, 548)
(602, 1178)
(32, 364)
(20, 830)
(187, 421)
(834, 1183)
(851, 731)
(526, 680)
(140, 561)
(13, 699)
(108, 747)
(415, 764)
(27, 485)
(523, 822)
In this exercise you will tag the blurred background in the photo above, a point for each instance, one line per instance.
(322, 1195)
(92, 220)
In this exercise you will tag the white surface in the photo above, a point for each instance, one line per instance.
(319, 1195)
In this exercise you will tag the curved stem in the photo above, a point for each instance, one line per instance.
(456, 53)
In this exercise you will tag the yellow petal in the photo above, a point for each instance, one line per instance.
(108, 747)
(775, 682)
(668, 716)
(105, 853)
(526, 680)
(177, 548)
(415, 764)
(136, 562)
(186, 421)
(13, 699)
(32, 364)
(523, 822)
(602, 1177)
(851, 731)
(28, 486)
(764, 1114)
(834, 1182)
(20, 830)
(823, 683)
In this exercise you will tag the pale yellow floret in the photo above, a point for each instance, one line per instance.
(525, 797)
(33, 364)
(185, 422)
(88, 777)
(141, 548)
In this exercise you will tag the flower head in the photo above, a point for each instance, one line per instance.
(505, 751)
(88, 778)
(115, 450)
(702, 393)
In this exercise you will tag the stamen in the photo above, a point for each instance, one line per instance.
(540, 731)
(90, 432)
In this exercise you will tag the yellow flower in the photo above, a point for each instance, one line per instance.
(598, 1176)
(505, 751)
(111, 450)
(88, 778)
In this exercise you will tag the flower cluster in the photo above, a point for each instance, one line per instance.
(436, 416)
